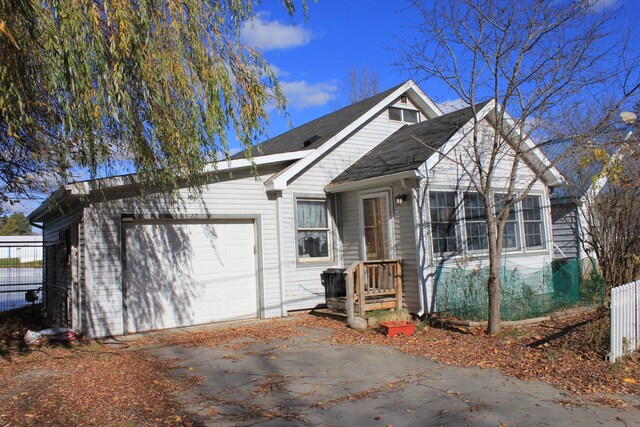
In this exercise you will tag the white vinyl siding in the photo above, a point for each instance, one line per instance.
(565, 229)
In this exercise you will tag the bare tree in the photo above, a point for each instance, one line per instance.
(610, 214)
(361, 84)
(535, 59)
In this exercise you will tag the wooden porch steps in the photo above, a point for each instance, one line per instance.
(330, 312)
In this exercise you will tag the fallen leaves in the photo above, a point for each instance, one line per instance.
(85, 384)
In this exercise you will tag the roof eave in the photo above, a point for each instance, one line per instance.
(76, 190)
(370, 182)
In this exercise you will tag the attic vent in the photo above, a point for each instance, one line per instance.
(403, 99)
(311, 140)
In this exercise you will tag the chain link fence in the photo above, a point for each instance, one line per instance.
(524, 292)
(20, 273)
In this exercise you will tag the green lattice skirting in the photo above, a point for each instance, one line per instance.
(525, 293)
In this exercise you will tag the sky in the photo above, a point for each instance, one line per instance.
(312, 58)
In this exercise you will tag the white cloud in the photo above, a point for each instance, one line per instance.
(451, 105)
(279, 72)
(261, 33)
(302, 94)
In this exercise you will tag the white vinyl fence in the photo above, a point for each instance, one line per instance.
(625, 320)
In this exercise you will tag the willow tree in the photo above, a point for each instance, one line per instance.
(152, 86)
(538, 60)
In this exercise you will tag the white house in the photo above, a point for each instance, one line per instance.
(350, 186)
(25, 248)
(570, 203)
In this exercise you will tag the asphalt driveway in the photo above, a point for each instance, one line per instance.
(308, 380)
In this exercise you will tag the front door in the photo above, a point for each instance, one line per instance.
(375, 223)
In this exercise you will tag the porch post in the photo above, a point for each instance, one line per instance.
(349, 283)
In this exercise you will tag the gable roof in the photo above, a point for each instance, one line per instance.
(313, 134)
(409, 147)
(376, 105)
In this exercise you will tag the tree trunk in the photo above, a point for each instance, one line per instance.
(493, 287)
(495, 235)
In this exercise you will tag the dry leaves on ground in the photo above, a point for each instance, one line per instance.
(231, 338)
(84, 384)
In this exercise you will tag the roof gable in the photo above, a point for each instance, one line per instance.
(409, 88)
(408, 148)
(411, 146)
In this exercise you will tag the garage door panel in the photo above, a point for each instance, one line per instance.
(185, 274)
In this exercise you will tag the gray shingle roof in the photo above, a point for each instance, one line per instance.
(316, 132)
(408, 148)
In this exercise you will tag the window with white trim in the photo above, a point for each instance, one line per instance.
(404, 115)
(442, 206)
(533, 223)
(510, 238)
(475, 224)
(313, 233)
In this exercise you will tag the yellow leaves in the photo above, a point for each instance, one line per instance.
(190, 368)
(629, 380)
(4, 30)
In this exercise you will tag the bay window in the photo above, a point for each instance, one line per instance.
(525, 218)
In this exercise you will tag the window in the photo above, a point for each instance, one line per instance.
(443, 224)
(510, 239)
(313, 233)
(474, 210)
(375, 215)
(533, 226)
(402, 115)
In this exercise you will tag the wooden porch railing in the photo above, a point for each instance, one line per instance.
(373, 285)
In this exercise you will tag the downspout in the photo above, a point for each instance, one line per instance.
(416, 232)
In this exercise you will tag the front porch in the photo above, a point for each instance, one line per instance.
(369, 285)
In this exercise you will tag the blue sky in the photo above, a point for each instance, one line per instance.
(313, 58)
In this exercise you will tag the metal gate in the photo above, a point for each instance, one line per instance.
(21, 271)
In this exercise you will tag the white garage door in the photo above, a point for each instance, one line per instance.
(180, 274)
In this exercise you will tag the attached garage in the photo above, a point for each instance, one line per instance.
(181, 273)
